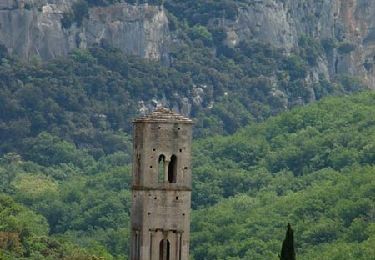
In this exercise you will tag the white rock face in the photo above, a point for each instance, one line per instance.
(281, 23)
(33, 28)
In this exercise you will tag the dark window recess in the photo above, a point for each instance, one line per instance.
(138, 169)
(164, 250)
(172, 170)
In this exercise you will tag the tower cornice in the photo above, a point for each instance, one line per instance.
(163, 115)
(161, 188)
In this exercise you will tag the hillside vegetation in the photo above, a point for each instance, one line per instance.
(312, 167)
(90, 97)
(65, 145)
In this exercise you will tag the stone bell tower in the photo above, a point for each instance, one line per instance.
(161, 192)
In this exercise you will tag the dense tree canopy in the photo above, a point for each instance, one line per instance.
(65, 145)
(90, 97)
(312, 167)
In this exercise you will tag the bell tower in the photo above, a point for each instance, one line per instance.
(161, 190)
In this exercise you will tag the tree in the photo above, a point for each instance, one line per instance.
(287, 250)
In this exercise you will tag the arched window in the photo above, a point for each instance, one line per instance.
(136, 248)
(164, 250)
(172, 170)
(138, 171)
(161, 168)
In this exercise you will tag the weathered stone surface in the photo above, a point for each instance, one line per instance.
(34, 28)
(161, 186)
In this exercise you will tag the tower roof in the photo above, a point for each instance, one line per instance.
(162, 114)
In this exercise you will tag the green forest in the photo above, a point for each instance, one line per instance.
(312, 167)
(261, 159)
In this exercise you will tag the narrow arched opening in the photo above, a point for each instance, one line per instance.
(172, 170)
(136, 245)
(161, 169)
(138, 170)
(164, 250)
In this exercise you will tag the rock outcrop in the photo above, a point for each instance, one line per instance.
(348, 24)
(34, 28)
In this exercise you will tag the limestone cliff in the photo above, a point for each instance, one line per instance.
(34, 27)
(348, 24)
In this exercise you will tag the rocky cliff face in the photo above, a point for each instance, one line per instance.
(34, 27)
(347, 24)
